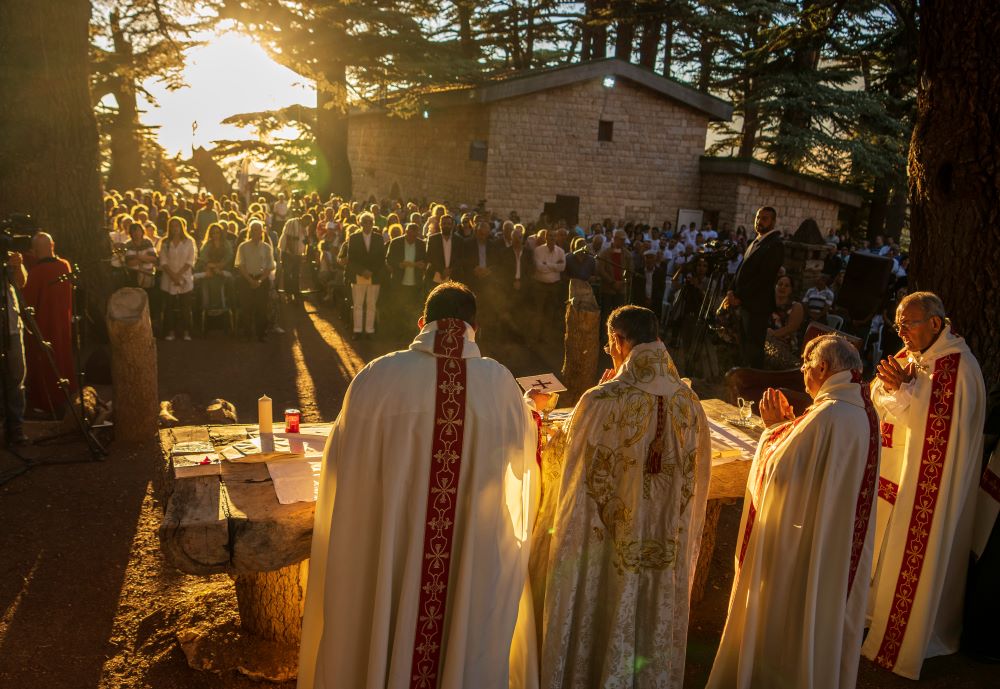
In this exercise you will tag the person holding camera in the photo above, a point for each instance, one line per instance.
(14, 399)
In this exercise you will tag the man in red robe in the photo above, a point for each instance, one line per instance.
(51, 297)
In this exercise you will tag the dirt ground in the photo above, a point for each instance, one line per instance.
(86, 599)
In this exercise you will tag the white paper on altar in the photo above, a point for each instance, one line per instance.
(729, 445)
(296, 481)
(276, 446)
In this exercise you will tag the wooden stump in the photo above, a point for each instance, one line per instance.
(583, 320)
(271, 603)
(133, 365)
(708, 535)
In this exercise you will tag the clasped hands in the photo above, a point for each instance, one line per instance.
(893, 374)
(775, 408)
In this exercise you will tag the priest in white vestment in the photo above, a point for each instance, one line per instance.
(932, 401)
(804, 546)
(624, 498)
(427, 498)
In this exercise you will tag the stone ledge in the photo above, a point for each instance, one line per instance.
(753, 169)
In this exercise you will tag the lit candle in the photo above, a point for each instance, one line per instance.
(264, 418)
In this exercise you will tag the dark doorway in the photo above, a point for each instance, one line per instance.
(564, 208)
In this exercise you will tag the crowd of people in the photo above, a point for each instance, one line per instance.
(202, 257)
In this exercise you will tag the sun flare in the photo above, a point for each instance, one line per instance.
(227, 75)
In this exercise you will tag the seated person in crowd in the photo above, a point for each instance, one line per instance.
(818, 299)
(781, 348)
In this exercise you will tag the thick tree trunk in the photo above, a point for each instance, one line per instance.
(751, 122)
(333, 166)
(597, 18)
(895, 216)
(877, 209)
(133, 365)
(581, 342)
(649, 42)
(49, 155)
(126, 157)
(706, 61)
(624, 30)
(668, 47)
(954, 169)
(466, 42)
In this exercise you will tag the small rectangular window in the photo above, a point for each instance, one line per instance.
(477, 151)
(605, 130)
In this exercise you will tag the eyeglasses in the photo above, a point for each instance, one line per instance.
(907, 325)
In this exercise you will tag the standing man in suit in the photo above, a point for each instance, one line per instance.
(366, 268)
(753, 286)
(515, 280)
(407, 261)
(481, 271)
(650, 282)
(444, 251)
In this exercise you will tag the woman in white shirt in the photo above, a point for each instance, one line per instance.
(177, 257)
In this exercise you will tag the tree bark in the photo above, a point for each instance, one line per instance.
(954, 169)
(649, 42)
(49, 154)
(581, 342)
(706, 60)
(668, 47)
(133, 365)
(624, 30)
(466, 43)
(333, 166)
(271, 603)
(877, 209)
(597, 20)
(751, 122)
(126, 156)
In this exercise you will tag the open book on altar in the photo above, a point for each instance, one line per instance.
(546, 382)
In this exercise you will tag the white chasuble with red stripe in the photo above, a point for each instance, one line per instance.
(421, 537)
(796, 614)
(931, 469)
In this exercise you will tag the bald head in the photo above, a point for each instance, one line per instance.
(42, 245)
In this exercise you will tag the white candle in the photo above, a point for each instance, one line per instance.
(264, 418)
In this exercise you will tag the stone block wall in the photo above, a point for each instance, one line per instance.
(546, 143)
(423, 157)
(737, 198)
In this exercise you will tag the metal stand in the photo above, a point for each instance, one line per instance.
(94, 446)
(697, 352)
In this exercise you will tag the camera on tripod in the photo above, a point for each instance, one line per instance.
(16, 231)
(719, 252)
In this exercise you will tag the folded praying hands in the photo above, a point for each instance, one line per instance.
(775, 408)
(893, 374)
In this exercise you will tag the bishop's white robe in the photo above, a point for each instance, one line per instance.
(404, 591)
(932, 444)
(624, 493)
(797, 611)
